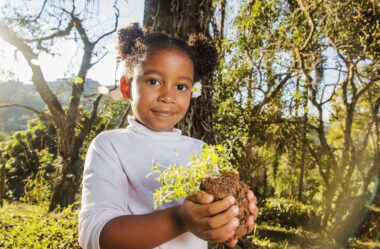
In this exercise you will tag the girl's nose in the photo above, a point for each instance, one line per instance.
(167, 94)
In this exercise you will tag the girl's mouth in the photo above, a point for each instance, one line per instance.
(163, 112)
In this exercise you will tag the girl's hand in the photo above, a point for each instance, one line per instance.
(251, 219)
(253, 209)
(214, 222)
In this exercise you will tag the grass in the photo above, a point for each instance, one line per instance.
(31, 226)
(275, 237)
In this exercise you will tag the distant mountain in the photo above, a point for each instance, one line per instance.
(14, 92)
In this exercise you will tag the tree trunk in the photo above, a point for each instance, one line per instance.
(304, 146)
(300, 183)
(180, 19)
(2, 182)
(64, 193)
(67, 185)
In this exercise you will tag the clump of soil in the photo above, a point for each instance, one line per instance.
(229, 184)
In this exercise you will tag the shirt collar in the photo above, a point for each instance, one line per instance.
(141, 129)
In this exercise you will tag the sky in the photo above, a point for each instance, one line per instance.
(55, 67)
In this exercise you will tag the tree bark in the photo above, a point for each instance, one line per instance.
(304, 146)
(2, 182)
(180, 19)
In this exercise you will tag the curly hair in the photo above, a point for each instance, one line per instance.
(135, 45)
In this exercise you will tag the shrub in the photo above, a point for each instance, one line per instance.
(22, 153)
(38, 190)
(288, 213)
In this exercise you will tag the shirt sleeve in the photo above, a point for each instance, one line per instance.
(104, 191)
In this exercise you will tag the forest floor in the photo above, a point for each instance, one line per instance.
(267, 236)
(31, 226)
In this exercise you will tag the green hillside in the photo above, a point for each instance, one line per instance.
(14, 92)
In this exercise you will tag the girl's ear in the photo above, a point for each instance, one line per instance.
(125, 88)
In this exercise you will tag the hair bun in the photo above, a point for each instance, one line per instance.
(206, 54)
(127, 39)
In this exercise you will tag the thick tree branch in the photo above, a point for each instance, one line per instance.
(77, 87)
(317, 160)
(267, 98)
(44, 114)
(38, 79)
(270, 95)
(124, 118)
(94, 111)
(87, 124)
(374, 110)
(311, 23)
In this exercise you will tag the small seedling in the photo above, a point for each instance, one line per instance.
(182, 181)
(211, 172)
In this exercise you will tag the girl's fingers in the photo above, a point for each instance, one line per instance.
(204, 198)
(221, 219)
(253, 210)
(201, 198)
(251, 196)
(216, 207)
(222, 233)
(250, 224)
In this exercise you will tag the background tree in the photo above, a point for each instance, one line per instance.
(181, 19)
(291, 74)
(33, 33)
(350, 29)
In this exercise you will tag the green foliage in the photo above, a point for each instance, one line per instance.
(28, 152)
(369, 229)
(289, 213)
(181, 181)
(307, 137)
(30, 226)
(38, 189)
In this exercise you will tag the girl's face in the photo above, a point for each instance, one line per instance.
(161, 89)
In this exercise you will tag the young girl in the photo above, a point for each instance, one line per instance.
(117, 205)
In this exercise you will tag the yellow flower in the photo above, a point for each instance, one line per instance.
(78, 80)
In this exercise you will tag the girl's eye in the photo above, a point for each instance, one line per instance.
(181, 87)
(153, 82)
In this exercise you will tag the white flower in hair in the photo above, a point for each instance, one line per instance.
(197, 89)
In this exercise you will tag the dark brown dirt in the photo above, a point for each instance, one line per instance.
(229, 184)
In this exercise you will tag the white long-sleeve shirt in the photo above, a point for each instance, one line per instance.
(115, 179)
